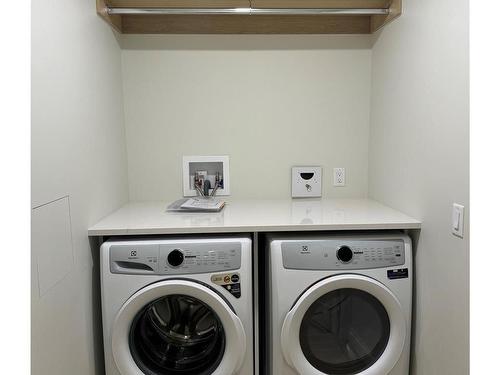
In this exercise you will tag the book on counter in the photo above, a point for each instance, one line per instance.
(196, 205)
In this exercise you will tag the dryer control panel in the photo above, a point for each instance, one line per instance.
(175, 258)
(342, 255)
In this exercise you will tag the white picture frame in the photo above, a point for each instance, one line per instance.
(210, 164)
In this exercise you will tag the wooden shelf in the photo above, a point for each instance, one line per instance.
(248, 16)
(339, 4)
(214, 4)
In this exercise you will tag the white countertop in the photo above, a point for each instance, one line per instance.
(255, 216)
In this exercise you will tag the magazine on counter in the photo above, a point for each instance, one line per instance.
(196, 205)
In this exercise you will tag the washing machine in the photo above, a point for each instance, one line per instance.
(177, 306)
(339, 304)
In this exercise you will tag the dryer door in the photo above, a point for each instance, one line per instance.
(177, 327)
(346, 324)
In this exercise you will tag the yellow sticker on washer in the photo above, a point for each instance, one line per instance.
(226, 278)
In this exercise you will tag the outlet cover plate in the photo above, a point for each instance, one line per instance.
(339, 177)
(306, 182)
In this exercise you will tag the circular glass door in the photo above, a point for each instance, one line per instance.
(176, 327)
(345, 331)
(177, 334)
(344, 324)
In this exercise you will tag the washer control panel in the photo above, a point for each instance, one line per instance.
(342, 255)
(175, 258)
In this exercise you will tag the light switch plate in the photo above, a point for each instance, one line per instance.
(457, 220)
(306, 182)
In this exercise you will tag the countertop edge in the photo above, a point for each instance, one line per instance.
(94, 232)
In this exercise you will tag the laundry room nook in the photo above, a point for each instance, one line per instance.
(250, 187)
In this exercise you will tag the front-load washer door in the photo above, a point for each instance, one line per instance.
(176, 327)
(346, 324)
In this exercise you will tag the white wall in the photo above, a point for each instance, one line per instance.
(78, 152)
(269, 102)
(419, 165)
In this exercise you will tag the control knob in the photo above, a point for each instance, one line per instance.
(344, 254)
(175, 258)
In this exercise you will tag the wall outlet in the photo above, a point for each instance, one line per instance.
(339, 177)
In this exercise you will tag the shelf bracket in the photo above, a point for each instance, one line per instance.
(114, 20)
(394, 11)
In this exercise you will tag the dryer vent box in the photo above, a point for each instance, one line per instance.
(306, 182)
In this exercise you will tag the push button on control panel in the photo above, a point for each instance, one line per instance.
(175, 258)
